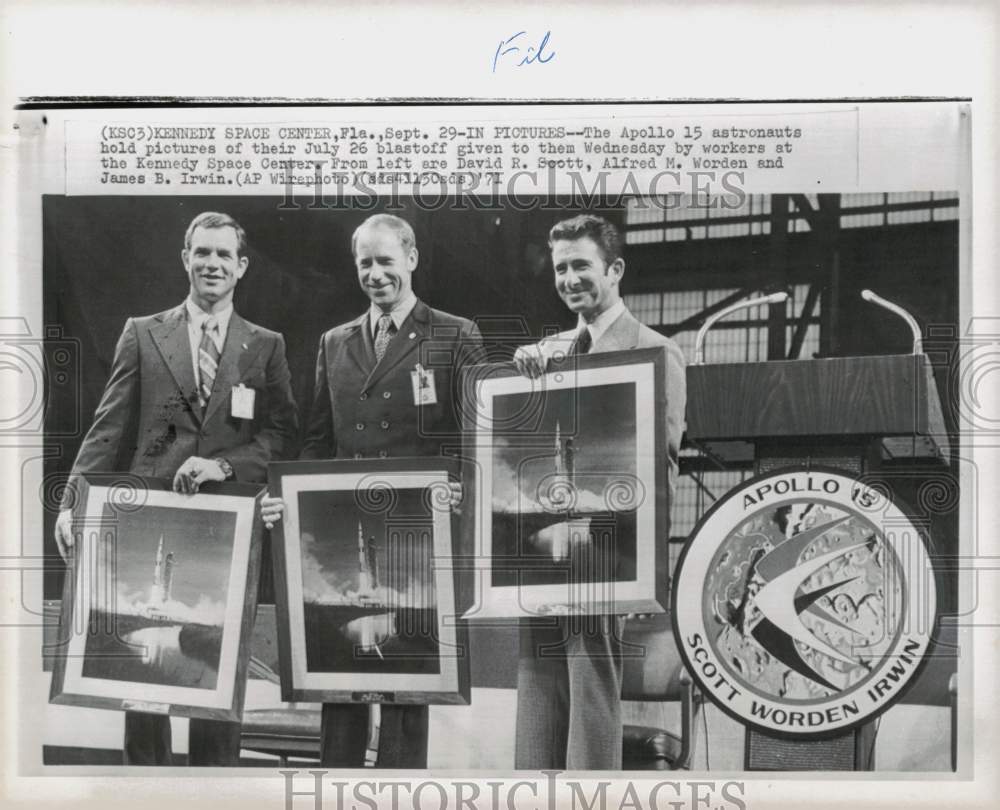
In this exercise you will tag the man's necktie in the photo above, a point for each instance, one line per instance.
(582, 343)
(383, 334)
(208, 360)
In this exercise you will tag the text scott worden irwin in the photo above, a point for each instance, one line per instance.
(312, 790)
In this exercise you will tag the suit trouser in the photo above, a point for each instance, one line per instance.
(148, 739)
(569, 683)
(210, 742)
(402, 736)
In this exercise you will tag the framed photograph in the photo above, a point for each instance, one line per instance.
(157, 614)
(364, 582)
(571, 500)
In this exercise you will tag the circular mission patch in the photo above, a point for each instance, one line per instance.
(804, 602)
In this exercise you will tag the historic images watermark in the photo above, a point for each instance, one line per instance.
(311, 790)
(666, 190)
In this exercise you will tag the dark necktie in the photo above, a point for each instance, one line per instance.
(582, 343)
(384, 331)
(208, 360)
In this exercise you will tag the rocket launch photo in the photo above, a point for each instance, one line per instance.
(368, 588)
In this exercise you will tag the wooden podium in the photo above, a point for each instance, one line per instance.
(852, 413)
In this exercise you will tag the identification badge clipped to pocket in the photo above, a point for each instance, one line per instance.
(424, 391)
(242, 402)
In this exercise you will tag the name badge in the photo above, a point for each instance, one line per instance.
(424, 391)
(242, 402)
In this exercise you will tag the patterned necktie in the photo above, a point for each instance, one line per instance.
(384, 331)
(208, 360)
(582, 343)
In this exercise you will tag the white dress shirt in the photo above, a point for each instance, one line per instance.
(601, 323)
(196, 317)
(398, 313)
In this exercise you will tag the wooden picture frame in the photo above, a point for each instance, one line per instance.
(570, 502)
(157, 611)
(364, 582)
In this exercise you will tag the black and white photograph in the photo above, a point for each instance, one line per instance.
(158, 608)
(366, 594)
(733, 319)
(585, 439)
(169, 605)
(568, 515)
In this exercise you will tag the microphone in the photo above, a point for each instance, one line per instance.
(699, 352)
(918, 341)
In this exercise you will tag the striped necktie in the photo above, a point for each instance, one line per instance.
(208, 360)
(384, 331)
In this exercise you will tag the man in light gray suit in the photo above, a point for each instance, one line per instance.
(570, 674)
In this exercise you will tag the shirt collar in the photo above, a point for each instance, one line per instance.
(602, 322)
(197, 316)
(398, 313)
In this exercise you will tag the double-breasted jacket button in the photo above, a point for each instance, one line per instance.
(359, 426)
(385, 424)
(363, 397)
(386, 394)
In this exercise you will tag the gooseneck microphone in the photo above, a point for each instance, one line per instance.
(699, 352)
(918, 341)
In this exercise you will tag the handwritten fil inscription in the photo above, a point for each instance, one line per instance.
(516, 52)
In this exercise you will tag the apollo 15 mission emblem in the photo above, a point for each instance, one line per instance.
(804, 602)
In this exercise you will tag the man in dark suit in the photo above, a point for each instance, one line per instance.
(569, 704)
(385, 387)
(196, 394)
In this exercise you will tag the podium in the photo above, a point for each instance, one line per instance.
(850, 413)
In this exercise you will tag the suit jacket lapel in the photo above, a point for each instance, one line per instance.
(238, 352)
(172, 341)
(402, 345)
(622, 334)
(359, 344)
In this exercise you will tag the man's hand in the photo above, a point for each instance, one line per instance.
(530, 360)
(64, 533)
(271, 510)
(196, 471)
